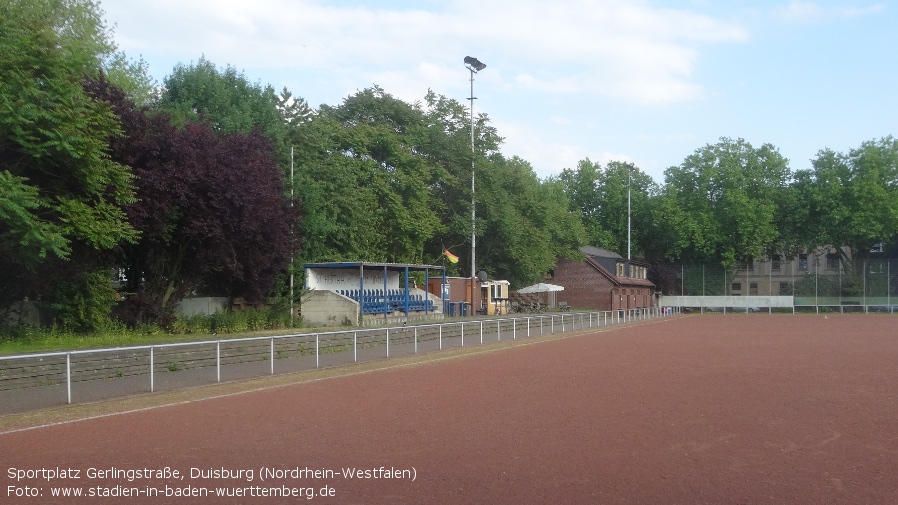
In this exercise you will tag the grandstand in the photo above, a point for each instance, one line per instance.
(363, 293)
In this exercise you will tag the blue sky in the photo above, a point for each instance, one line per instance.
(642, 81)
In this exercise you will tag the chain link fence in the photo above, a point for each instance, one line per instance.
(869, 285)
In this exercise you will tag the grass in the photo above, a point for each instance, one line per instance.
(31, 340)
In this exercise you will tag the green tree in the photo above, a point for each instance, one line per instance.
(447, 143)
(526, 224)
(132, 77)
(364, 184)
(63, 195)
(849, 199)
(600, 196)
(228, 102)
(721, 203)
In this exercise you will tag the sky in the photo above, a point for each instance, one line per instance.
(643, 81)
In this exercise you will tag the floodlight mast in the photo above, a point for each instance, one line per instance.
(629, 178)
(474, 65)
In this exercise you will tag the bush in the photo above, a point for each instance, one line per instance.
(274, 317)
(83, 303)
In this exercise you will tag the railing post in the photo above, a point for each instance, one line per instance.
(218, 361)
(463, 334)
(355, 346)
(272, 355)
(152, 371)
(498, 330)
(68, 376)
(388, 342)
(441, 337)
(416, 340)
(481, 332)
(317, 359)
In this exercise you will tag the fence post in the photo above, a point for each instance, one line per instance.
(272, 355)
(441, 337)
(498, 330)
(317, 362)
(355, 346)
(68, 376)
(388, 342)
(481, 332)
(416, 340)
(152, 371)
(218, 361)
(463, 334)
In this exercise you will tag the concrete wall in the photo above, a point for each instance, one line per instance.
(27, 313)
(328, 308)
(727, 301)
(202, 306)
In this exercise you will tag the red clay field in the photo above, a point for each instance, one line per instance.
(735, 409)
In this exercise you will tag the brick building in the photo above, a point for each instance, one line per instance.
(603, 280)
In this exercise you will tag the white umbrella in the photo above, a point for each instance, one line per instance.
(541, 287)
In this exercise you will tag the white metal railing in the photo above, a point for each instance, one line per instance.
(531, 325)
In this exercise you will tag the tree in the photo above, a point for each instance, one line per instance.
(850, 199)
(526, 224)
(229, 103)
(721, 203)
(365, 185)
(211, 210)
(447, 144)
(132, 77)
(62, 194)
(600, 196)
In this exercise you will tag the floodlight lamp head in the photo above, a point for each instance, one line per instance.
(474, 64)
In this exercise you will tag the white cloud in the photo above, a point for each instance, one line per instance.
(547, 154)
(812, 12)
(623, 49)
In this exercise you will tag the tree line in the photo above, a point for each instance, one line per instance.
(212, 184)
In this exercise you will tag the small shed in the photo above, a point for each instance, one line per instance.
(603, 280)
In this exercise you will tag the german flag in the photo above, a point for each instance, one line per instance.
(451, 257)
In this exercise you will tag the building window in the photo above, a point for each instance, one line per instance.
(737, 287)
(620, 269)
(776, 263)
(753, 289)
(785, 289)
(803, 262)
(832, 261)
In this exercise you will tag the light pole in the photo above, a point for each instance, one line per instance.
(629, 176)
(474, 65)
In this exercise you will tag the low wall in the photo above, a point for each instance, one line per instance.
(205, 306)
(328, 308)
(727, 301)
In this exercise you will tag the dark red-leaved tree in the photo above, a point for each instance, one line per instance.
(211, 210)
